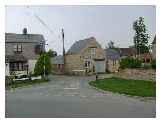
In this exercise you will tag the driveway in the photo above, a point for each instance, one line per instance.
(71, 96)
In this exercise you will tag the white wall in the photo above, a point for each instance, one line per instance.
(31, 65)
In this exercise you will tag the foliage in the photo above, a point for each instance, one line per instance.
(52, 53)
(141, 37)
(25, 83)
(124, 86)
(153, 64)
(43, 60)
(129, 62)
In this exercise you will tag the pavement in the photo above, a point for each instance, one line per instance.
(72, 97)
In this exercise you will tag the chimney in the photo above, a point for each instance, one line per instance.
(25, 31)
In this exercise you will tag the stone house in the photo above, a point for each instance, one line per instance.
(57, 64)
(22, 51)
(85, 57)
(112, 60)
(130, 52)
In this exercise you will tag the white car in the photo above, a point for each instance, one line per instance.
(21, 78)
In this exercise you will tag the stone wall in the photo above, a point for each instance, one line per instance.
(112, 67)
(73, 62)
(137, 74)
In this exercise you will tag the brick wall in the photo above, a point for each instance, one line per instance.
(137, 74)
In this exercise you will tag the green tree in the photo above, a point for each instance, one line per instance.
(52, 53)
(141, 37)
(43, 60)
(153, 64)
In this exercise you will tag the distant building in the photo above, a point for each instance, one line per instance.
(112, 60)
(85, 57)
(57, 64)
(22, 52)
(124, 52)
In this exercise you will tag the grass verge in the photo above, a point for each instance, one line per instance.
(129, 87)
(25, 83)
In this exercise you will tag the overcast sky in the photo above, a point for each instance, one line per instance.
(105, 23)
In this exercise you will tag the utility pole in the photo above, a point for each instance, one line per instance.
(63, 49)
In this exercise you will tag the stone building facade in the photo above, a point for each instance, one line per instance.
(22, 51)
(83, 57)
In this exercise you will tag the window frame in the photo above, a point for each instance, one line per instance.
(93, 52)
(17, 48)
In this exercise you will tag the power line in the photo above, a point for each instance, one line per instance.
(40, 20)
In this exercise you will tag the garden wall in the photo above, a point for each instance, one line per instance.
(137, 74)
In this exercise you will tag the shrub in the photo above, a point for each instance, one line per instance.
(153, 64)
(39, 66)
(130, 62)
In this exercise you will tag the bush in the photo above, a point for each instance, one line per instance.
(39, 67)
(153, 64)
(130, 62)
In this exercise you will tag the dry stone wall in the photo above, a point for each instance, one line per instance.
(137, 74)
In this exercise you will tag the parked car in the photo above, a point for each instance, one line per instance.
(21, 78)
(36, 77)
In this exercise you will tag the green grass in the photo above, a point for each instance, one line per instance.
(25, 83)
(128, 87)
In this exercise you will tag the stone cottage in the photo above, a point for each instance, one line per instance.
(22, 51)
(57, 64)
(127, 52)
(112, 60)
(85, 57)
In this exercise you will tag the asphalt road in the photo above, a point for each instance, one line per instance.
(71, 96)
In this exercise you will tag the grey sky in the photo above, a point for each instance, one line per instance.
(105, 23)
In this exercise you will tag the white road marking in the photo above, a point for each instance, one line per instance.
(70, 88)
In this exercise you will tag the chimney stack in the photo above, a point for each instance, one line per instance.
(25, 31)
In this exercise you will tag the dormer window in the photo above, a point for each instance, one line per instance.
(17, 48)
(93, 53)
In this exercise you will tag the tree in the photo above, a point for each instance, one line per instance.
(153, 64)
(43, 60)
(52, 53)
(141, 37)
(111, 44)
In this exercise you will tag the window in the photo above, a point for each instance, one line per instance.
(93, 53)
(87, 64)
(114, 62)
(17, 48)
(38, 49)
(17, 66)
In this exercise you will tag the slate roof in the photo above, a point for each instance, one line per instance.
(13, 37)
(15, 58)
(127, 51)
(57, 60)
(79, 45)
(112, 54)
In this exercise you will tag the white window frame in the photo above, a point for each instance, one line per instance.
(93, 53)
(17, 48)
(88, 62)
